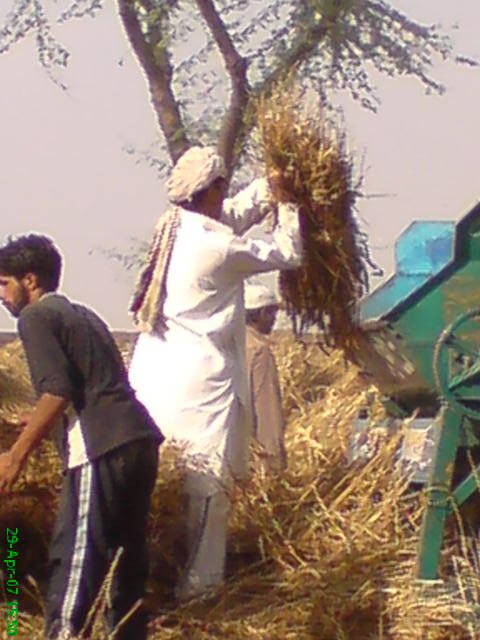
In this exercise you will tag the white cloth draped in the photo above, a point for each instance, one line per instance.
(194, 382)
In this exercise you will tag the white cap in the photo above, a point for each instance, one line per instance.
(195, 170)
(258, 295)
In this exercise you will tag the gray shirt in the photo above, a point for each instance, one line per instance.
(72, 354)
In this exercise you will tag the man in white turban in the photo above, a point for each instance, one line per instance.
(262, 306)
(188, 367)
(196, 170)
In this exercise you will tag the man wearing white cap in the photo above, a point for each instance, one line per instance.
(262, 304)
(188, 367)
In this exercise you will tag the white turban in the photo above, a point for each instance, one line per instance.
(195, 170)
(258, 295)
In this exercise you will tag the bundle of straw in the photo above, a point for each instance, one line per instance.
(307, 163)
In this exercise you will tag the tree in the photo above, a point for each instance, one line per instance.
(243, 47)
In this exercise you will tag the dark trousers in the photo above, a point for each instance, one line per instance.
(103, 507)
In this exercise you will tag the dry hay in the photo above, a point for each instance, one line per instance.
(16, 395)
(323, 551)
(444, 610)
(31, 507)
(307, 162)
(305, 373)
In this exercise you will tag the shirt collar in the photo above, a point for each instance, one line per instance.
(47, 294)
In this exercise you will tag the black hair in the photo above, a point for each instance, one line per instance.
(253, 315)
(32, 254)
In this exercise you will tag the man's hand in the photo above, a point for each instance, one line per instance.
(46, 411)
(10, 467)
(23, 419)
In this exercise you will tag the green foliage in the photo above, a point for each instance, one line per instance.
(332, 44)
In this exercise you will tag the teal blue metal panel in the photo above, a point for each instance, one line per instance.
(421, 251)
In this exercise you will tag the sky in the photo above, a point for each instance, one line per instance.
(64, 169)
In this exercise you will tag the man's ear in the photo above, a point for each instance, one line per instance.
(30, 280)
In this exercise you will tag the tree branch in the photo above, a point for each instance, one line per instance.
(158, 71)
(298, 53)
(236, 66)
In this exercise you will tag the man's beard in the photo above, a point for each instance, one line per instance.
(12, 310)
(15, 308)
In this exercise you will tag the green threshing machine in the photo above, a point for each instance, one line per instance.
(421, 343)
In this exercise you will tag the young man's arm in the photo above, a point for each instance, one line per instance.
(47, 410)
(50, 372)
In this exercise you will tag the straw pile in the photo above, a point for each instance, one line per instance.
(307, 162)
(323, 551)
(32, 507)
(15, 388)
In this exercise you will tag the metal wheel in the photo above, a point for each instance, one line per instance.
(456, 363)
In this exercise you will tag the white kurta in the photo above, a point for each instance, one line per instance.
(193, 381)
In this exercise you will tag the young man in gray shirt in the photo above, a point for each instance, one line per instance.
(110, 453)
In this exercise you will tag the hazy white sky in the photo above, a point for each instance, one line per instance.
(64, 173)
